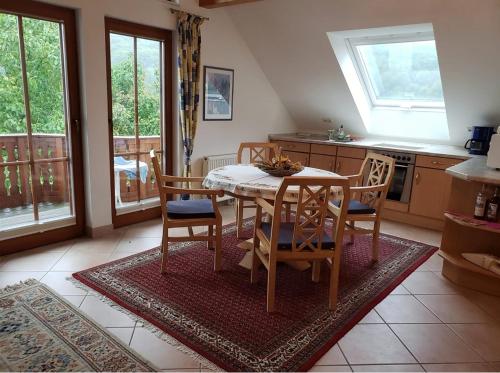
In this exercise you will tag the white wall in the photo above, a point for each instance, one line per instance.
(257, 108)
(289, 40)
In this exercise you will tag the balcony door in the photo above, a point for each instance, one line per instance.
(140, 116)
(41, 193)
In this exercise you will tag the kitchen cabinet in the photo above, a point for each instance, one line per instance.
(348, 166)
(323, 162)
(303, 158)
(430, 192)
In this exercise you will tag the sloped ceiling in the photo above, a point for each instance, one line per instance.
(288, 39)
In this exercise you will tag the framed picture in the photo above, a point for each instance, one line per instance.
(218, 88)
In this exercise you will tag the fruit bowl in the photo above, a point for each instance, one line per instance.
(280, 166)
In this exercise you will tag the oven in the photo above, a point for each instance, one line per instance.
(400, 188)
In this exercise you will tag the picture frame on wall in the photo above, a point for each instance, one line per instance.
(218, 90)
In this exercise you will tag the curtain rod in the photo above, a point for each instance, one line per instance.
(175, 11)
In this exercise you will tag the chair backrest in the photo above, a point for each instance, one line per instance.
(380, 171)
(257, 151)
(313, 195)
(159, 182)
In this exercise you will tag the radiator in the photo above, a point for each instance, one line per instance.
(212, 162)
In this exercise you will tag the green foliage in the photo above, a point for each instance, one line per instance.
(45, 83)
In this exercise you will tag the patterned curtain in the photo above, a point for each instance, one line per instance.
(189, 48)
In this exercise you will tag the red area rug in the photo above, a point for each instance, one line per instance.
(223, 317)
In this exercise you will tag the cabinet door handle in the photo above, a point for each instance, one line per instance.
(436, 162)
(417, 177)
(339, 166)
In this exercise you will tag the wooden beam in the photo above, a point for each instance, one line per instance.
(220, 3)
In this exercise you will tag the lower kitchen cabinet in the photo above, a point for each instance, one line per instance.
(323, 162)
(430, 192)
(348, 166)
(303, 158)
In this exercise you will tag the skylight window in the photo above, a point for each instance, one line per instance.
(399, 71)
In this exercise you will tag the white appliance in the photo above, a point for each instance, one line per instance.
(493, 160)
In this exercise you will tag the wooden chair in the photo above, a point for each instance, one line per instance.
(188, 213)
(305, 238)
(369, 192)
(257, 152)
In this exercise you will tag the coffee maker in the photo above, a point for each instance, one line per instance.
(480, 142)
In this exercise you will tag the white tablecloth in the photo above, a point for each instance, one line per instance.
(248, 181)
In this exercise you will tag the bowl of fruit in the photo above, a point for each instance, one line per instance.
(280, 166)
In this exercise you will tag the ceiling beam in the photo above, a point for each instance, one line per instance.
(220, 3)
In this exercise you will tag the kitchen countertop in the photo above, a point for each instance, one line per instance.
(381, 144)
(475, 169)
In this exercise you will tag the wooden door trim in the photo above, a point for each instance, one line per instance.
(154, 33)
(49, 12)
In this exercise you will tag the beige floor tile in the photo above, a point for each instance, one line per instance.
(55, 248)
(489, 303)
(388, 368)
(435, 343)
(104, 244)
(372, 317)
(471, 367)
(78, 261)
(150, 229)
(404, 309)
(374, 344)
(75, 300)
(159, 352)
(400, 290)
(434, 263)
(484, 338)
(26, 261)
(454, 309)
(59, 282)
(429, 283)
(123, 334)
(119, 255)
(409, 232)
(137, 245)
(104, 314)
(330, 368)
(333, 357)
(11, 278)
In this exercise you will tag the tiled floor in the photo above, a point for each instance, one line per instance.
(427, 323)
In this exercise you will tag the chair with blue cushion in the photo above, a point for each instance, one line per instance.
(368, 192)
(188, 213)
(305, 238)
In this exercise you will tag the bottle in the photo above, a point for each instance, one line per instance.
(341, 133)
(492, 206)
(480, 209)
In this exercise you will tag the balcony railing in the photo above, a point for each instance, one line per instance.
(51, 181)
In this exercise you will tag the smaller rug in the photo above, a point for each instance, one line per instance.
(39, 331)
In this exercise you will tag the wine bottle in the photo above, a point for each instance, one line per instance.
(492, 206)
(480, 208)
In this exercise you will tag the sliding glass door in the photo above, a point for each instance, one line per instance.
(38, 123)
(139, 95)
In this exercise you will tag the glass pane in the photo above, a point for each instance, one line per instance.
(149, 93)
(125, 176)
(403, 71)
(13, 138)
(149, 188)
(46, 89)
(52, 186)
(16, 205)
(122, 86)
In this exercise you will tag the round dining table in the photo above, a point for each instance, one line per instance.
(246, 181)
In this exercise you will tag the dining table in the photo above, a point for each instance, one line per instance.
(246, 181)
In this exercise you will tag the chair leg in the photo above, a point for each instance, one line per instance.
(218, 246)
(271, 285)
(210, 243)
(255, 261)
(353, 226)
(288, 212)
(375, 243)
(239, 218)
(190, 230)
(316, 270)
(334, 283)
(164, 250)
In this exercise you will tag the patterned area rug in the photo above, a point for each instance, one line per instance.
(223, 317)
(39, 331)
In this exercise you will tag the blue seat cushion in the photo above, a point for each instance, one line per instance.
(356, 207)
(190, 209)
(286, 237)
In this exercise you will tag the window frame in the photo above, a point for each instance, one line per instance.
(364, 76)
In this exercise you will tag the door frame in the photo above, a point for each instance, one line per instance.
(67, 16)
(166, 36)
